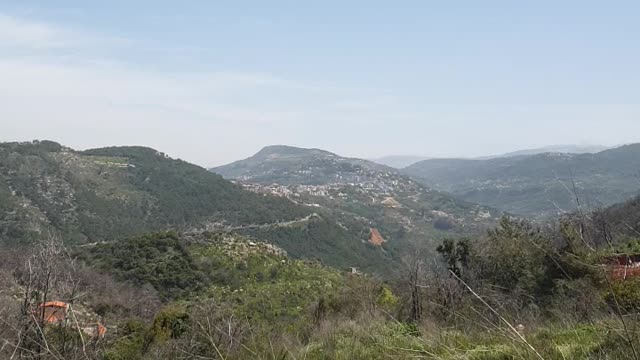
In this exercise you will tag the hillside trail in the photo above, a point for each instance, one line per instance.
(274, 224)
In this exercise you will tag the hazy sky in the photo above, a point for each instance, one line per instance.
(214, 81)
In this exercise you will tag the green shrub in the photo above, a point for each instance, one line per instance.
(131, 346)
(626, 293)
(386, 299)
(170, 322)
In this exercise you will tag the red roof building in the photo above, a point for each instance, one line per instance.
(54, 311)
(622, 267)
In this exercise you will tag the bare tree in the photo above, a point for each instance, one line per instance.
(48, 274)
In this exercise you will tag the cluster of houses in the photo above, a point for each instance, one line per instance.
(383, 189)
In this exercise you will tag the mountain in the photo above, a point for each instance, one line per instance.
(291, 165)
(537, 185)
(218, 292)
(98, 194)
(354, 190)
(566, 149)
(117, 192)
(402, 161)
(399, 161)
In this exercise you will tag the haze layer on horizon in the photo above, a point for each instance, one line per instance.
(213, 82)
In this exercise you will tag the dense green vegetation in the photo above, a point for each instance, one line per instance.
(185, 193)
(222, 296)
(114, 193)
(334, 245)
(159, 260)
(109, 193)
(521, 290)
(537, 185)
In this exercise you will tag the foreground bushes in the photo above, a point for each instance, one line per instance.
(515, 294)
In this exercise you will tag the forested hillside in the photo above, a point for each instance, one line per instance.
(113, 193)
(537, 185)
(109, 193)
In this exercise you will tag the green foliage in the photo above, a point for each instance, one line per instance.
(111, 193)
(159, 259)
(119, 192)
(455, 254)
(322, 239)
(518, 258)
(255, 283)
(374, 340)
(625, 294)
(386, 298)
(63, 340)
(630, 247)
(519, 264)
(272, 293)
(170, 323)
(271, 306)
(187, 193)
(132, 345)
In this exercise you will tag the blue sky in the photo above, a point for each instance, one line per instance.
(214, 81)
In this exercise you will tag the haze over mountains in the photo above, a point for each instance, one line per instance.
(537, 185)
(566, 149)
(402, 161)
(399, 161)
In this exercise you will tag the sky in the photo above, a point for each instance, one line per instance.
(211, 82)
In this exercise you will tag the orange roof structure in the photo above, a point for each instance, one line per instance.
(59, 304)
(54, 311)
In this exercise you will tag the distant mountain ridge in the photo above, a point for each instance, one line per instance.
(402, 161)
(565, 149)
(537, 185)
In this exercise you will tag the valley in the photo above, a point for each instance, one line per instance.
(153, 255)
(407, 215)
(327, 180)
